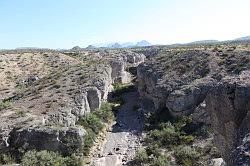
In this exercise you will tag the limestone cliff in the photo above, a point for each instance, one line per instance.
(212, 87)
(52, 105)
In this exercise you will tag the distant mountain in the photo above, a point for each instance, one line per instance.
(114, 45)
(142, 43)
(243, 38)
(127, 44)
(76, 48)
(204, 42)
(90, 47)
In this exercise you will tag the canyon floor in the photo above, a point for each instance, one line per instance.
(122, 142)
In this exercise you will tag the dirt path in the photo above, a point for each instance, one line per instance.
(123, 140)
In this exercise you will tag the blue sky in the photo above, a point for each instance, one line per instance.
(67, 23)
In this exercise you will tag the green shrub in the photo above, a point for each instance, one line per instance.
(165, 136)
(186, 155)
(153, 149)
(141, 157)
(46, 158)
(20, 113)
(161, 160)
(4, 104)
(88, 142)
(122, 88)
(91, 121)
(6, 159)
(186, 139)
(94, 122)
(105, 112)
(181, 122)
(151, 156)
(205, 132)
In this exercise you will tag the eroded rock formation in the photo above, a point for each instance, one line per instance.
(212, 87)
(76, 90)
(229, 105)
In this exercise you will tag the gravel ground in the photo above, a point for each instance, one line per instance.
(123, 140)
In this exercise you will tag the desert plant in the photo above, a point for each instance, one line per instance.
(94, 122)
(161, 160)
(186, 155)
(91, 121)
(47, 158)
(122, 88)
(4, 104)
(6, 159)
(141, 157)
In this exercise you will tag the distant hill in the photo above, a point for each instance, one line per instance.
(142, 43)
(204, 42)
(243, 38)
(115, 45)
(76, 48)
(90, 47)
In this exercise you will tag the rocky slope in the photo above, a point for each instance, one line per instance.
(42, 114)
(184, 80)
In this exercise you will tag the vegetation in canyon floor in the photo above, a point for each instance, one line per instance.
(170, 142)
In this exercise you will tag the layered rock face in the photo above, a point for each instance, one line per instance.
(181, 87)
(212, 87)
(54, 103)
(63, 140)
(229, 105)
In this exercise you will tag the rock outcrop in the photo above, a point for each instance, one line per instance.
(229, 105)
(241, 155)
(212, 87)
(63, 140)
(61, 98)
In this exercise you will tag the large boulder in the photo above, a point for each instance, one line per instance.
(185, 100)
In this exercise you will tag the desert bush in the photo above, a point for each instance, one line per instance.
(20, 113)
(161, 160)
(151, 157)
(91, 121)
(4, 104)
(153, 149)
(186, 139)
(88, 142)
(141, 157)
(105, 112)
(165, 136)
(186, 155)
(6, 159)
(94, 122)
(47, 158)
(122, 88)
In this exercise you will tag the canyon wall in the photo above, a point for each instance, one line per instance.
(198, 84)
(57, 129)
